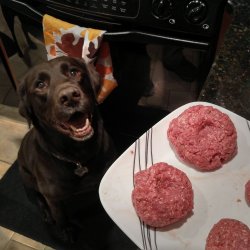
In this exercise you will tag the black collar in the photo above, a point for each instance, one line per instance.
(80, 170)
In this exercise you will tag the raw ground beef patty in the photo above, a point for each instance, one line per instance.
(247, 192)
(162, 195)
(203, 137)
(228, 234)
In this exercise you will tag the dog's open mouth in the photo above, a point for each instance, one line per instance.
(78, 126)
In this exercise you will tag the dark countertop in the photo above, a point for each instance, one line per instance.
(228, 83)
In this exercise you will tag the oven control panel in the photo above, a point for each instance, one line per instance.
(124, 8)
(195, 11)
(192, 17)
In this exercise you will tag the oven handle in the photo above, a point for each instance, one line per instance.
(133, 35)
(147, 37)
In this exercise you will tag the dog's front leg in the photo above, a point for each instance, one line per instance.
(33, 194)
(63, 229)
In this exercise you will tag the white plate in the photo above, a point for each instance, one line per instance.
(217, 194)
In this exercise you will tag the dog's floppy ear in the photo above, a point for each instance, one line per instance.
(24, 109)
(94, 78)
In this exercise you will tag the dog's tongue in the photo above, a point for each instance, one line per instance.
(77, 121)
(79, 126)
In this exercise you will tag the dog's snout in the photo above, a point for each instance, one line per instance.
(69, 97)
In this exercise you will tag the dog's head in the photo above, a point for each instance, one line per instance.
(60, 94)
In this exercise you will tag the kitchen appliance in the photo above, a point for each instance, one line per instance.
(139, 33)
(195, 22)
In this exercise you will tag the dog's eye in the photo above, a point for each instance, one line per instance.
(41, 84)
(74, 72)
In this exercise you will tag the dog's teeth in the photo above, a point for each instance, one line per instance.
(83, 131)
(86, 123)
(73, 128)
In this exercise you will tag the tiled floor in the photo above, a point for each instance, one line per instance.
(12, 129)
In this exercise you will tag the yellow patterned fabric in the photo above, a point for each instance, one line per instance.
(65, 39)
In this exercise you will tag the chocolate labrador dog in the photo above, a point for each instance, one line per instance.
(65, 154)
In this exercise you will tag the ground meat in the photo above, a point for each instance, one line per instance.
(162, 195)
(203, 137)
(228, 234)
(247, 192)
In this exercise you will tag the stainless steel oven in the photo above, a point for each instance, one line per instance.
(162, 50)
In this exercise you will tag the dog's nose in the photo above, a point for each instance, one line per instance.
(69, 97)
